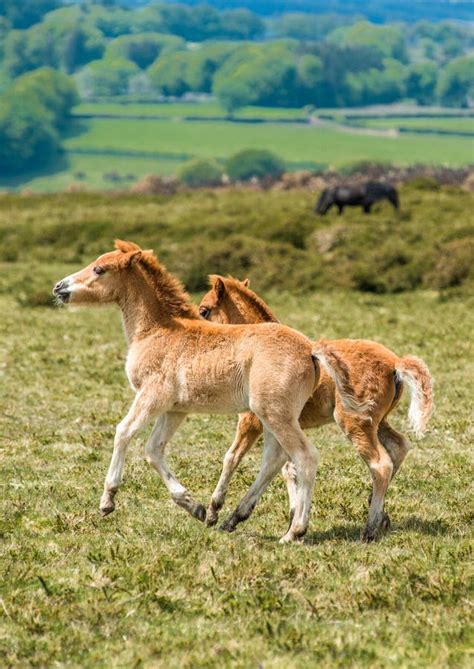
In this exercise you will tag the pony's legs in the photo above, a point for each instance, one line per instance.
(272, 460)
(394, 443)
(249, 429)
(288, 473)
(138, 416)
(364, 437)
(305, 459)
(165, 427)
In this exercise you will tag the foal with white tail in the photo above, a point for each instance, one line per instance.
(360, 384)
(179, 364)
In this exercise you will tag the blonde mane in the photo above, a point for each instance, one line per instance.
(236, 287)
(168, 287)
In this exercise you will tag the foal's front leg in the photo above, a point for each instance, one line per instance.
(249, 429)
(165, 427)
(138, 416)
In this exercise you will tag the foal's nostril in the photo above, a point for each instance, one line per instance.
(61, 285)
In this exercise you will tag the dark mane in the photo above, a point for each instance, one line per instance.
(261, 307)
(170, 289)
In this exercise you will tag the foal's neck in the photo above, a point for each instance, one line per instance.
(148, 306)
(250, 308)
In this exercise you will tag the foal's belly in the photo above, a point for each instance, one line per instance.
(215, 393)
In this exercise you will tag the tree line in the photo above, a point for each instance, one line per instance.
(291, 60)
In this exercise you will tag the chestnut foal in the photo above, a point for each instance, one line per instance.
(179, 364)
(369, 380)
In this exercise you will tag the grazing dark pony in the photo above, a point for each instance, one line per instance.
(358, 195)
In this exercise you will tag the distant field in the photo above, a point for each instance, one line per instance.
(173, 109)
(295, 143)
(453, 124)
(95, 169)
(132, 148)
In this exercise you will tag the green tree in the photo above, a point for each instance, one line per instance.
(107, 77)
(32, 110)
(27, 12)
(250, 163)
(200, 172)
(143, 49)
(310, 71)
(54, 91)
(388, 40)
(456, 82)
(421, 82)
(168, 74)
(203, 63)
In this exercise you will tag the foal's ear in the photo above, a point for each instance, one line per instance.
(126, 247)
(129, 259)
(246, 282)
(219, 287)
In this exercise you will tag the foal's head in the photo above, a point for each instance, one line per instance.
(218, 305)
(102, 280)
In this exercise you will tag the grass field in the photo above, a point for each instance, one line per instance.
(95, 146)
(293, 142)
(439, 123)
(180, 109)
(150, 587)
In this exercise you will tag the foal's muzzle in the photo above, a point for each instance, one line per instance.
(61, 291)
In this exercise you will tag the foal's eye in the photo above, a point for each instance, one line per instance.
(204, 312)
(98, 270)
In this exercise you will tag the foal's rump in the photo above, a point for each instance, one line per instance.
(370, 378)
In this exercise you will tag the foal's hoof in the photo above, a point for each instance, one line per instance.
(211, 517)
(372, 533)
(385, 524)
(199, 512)
(229, 524)
(106, 510)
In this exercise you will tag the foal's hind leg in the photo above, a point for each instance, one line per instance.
(138, 416)
(249, 429)
(394, 443)
(364, 437)
(165, 427)
(273, 459)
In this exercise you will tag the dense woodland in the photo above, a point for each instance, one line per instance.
(159, 50)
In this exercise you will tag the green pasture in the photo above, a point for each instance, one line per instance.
(180, 109)
(132, 148)
(458, 124)
(81, 171)
(151, 587)
(294, 143)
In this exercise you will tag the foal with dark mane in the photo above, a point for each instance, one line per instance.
(178, 363)
(368, 378)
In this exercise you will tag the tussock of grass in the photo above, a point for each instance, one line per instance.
(149, 586)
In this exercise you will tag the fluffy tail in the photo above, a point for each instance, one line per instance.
(415, 374)
(339, 372)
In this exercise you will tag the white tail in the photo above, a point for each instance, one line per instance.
(415, 374)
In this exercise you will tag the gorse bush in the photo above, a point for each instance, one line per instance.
(200, 172)
(250, 163)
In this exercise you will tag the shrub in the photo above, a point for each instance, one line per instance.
(454, 264)
(200, 172)
(242, 255)
(244, 165)
(364, 167)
